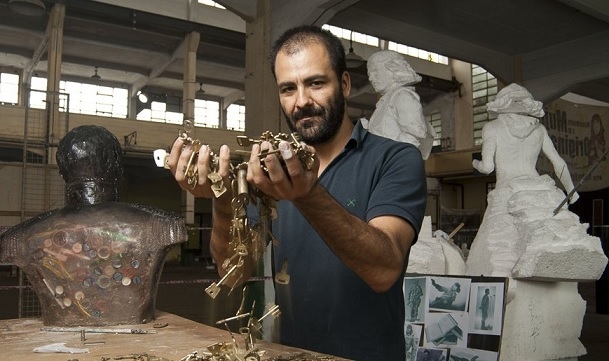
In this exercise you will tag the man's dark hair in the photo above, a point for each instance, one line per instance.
(292, 40)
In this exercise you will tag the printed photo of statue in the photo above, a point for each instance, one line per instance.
(412, 337)
(449, 294)
(597, 139)
(431, 354)
(414, 294)
(485, 307)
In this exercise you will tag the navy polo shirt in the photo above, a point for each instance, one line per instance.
(326, 307)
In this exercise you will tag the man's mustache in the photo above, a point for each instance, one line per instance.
(307, 113)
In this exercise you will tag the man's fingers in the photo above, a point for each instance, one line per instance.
(174, 155)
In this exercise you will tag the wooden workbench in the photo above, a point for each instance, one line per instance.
(19, 337)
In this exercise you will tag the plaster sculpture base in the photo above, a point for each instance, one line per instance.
(434, 255)
(543, 322)
(520, 237)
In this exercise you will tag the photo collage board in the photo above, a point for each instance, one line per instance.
(453, 318)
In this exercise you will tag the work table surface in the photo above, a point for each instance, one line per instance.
(19, 337)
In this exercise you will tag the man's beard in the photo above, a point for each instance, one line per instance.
(317, 133)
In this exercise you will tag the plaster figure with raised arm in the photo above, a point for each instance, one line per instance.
(342, 239)
(519, 225)
(543, 253)
(398, 114)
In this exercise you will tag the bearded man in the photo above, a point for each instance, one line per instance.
(346, 225)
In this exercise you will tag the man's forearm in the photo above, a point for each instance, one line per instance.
(365, 249)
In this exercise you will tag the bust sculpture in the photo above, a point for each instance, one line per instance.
(96, 261)
(398, 114)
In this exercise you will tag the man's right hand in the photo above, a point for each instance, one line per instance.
(179, 157)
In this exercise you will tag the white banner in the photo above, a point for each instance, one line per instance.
(579, 135)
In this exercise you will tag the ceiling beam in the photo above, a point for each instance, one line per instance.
(595, 8)
(499, 64)
(551, 72)
(232, 97)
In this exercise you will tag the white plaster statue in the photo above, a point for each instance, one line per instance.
(398, 114)
(522, 238)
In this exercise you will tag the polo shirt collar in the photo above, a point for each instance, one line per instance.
(357, 136)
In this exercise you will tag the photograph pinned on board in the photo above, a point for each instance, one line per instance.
(448, 293)
(470, 354)
(412, 335)
(486, 308)
(414, 298)
(446, 329)
(431, 354)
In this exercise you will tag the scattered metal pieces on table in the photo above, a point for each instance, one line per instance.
(97, 330)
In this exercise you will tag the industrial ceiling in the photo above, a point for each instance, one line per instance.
(551, 47)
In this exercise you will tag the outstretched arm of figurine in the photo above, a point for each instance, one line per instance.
(560, 166)
(437, 286)
(489, 148)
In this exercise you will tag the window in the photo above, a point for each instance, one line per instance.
(161, 112)
(484, 90)
(84, 98)
(435, 119)
(211, 3)
(235, 117)
(418, 53)
(9, 88)
(375, 42)
(357, 37)
(207, 113)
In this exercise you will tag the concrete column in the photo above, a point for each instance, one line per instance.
(463, 112)
(55, 51)
(261, 100)
(191, 43)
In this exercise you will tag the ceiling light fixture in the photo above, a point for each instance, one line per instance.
(95, 76)
(27, 7)
(353, 60)
(201, 91)
(142, 97)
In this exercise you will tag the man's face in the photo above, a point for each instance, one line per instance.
(311, 97)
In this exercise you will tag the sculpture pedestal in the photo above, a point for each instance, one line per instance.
(543, 321)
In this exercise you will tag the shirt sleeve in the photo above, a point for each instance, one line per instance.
(401, 187)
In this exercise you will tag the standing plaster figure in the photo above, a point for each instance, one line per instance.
(398, 114)
(543, 250)
(519, 230)
(96, 261)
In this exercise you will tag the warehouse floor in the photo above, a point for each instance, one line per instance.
(182, 292)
